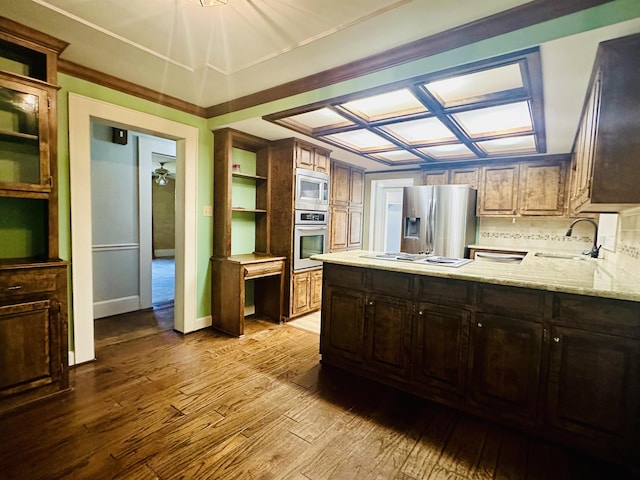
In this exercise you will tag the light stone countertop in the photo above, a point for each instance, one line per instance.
(586, 276)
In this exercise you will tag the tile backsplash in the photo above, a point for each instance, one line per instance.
(549, 233)
(535, 232)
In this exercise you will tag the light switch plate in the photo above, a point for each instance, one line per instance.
(207, 211)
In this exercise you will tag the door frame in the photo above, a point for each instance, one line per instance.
(81, 111)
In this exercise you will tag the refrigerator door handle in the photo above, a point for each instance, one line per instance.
(432, 225)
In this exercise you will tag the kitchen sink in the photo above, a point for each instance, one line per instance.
(567, 256)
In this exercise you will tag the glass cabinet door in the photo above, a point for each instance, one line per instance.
(24, 142)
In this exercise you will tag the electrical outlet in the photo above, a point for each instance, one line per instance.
(207, 211)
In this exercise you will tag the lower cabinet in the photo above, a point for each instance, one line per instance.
(504, 365)
(562, 366)
(440, 347)
(388, 334)
(343, 314)
(306, 292)
(594, 383)
(33, 333)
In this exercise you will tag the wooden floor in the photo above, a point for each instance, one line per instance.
(157, 404)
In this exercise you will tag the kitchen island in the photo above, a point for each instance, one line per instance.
(549, 345)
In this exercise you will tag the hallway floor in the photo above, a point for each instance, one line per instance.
(163, 280)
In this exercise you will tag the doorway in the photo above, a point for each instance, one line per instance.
(386, 214)
(81, 111)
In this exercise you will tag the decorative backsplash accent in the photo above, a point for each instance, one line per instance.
(535, 232)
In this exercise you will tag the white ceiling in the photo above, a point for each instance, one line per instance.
(206, 56)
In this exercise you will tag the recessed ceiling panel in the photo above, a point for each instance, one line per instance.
(397, 156)
(362, 140)
(321, 118)
(478, 84)
(509, 145)
(446, 152)
(498, 120)
(392, 104)
(418, 132)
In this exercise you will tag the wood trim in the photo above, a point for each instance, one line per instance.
(24, 35)
(532, 13)
(99, 78)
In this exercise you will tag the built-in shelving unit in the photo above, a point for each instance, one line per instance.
(33, 280)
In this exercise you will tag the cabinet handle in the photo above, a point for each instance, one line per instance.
(15, 287)
(479, 325)
(556, 339)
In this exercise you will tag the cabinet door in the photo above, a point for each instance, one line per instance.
(355, 229)
(315, 294)
(338, 237)
(26, 354)
(300, 293)
(440, 346)
(339, 184)
(435, 177)
(304, 156)
(388, 334)
(356, 188)
(504, 368)
(321, 161)
(464, 176)
(542, 188)
(593, 385)
(342, 333)
(24, 139)
(498, 192)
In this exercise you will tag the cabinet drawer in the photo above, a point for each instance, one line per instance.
(598, 314)
(338, 275)
(262, 269)
(391, 283)
(444, 291)
(512, 301)
(20, 283)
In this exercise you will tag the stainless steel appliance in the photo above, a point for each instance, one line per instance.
(310, 237)
(312, 190)
(438, 220)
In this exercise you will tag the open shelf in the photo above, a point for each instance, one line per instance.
(248, 176)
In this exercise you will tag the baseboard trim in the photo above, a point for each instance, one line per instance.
(116, 306)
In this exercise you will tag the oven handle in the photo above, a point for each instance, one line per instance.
(311, 228)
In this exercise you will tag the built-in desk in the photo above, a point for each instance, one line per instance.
(228, 275)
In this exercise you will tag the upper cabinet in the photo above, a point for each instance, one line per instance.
(28, 136)
(311, 157)
(604, 175)
(346, 207)
(511, 189)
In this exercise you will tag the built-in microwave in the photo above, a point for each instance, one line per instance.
(312, 190)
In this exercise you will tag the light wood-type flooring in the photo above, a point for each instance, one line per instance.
(161, 405)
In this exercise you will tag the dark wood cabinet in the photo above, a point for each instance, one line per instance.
(33, 280)
(346, 207)
(504, 364)
(302, 292)
(388, 334)
(604, 175)
(593, 385)
(343, 319)
(440, 347)
(559, 365)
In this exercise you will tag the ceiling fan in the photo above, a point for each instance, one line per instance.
(161, 175)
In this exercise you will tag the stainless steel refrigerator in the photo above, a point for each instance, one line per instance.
(438, 220)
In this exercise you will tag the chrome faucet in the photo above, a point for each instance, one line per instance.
(595, 250)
